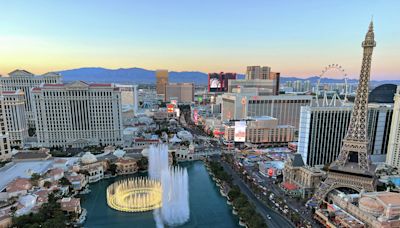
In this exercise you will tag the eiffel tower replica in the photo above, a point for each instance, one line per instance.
(352, 168)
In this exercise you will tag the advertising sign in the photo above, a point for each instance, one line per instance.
(195, 115)
(218, 82)
(240, 131)
(170, 108)
(214, 82)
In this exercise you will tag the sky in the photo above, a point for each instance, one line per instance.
(296, 38)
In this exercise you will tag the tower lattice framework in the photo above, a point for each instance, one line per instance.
(352, 168)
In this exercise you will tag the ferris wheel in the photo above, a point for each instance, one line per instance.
(324, 93)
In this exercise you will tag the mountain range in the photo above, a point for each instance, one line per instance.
(144, 76)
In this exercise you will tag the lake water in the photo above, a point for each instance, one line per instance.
(207, 207)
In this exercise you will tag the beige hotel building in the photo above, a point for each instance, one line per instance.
(162, 81)
(5, 149)
(182, 92)
(24, 80)
(286, 108)
(77, 114)
(262, 130)
(14, 105)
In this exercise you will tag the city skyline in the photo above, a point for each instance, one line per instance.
(297, 39)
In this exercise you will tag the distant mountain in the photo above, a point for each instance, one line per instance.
(143, 76)
(131, 75)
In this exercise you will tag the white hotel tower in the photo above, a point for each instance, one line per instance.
(24, 80)
(77, 114)
(5, 149)
(393, 155)
(14, 106)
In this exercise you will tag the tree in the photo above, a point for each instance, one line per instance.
(49, 216)
(13, 209)
(35, 179)
(142, 163)
(391, 185)
(326, 166)
(234, 193)
(47, 184)
(112, 168)
(64, 182)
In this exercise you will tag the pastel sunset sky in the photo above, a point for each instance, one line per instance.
(296, 38)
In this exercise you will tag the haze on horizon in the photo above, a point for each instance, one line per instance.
(296, 38)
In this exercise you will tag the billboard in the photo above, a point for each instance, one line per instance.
(195, 115)
(218, 82)
(240, 131)
(214, 82)
(170, 108)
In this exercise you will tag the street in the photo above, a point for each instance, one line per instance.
(277, 220)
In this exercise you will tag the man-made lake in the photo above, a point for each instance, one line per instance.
(207, 207)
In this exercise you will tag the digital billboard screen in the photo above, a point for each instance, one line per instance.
(240, 131)
(170, 108)
(218, 82)
(195, 115)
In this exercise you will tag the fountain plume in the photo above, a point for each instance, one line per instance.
(174, 181)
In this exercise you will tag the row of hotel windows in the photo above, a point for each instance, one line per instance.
(279, 101)
(28, 82)
(74, 93)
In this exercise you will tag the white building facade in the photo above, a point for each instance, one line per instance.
(393, 155)
(25, 81)
(14, 105)
(77, 114)
(5, 149)
(286, 108)
(322, 129)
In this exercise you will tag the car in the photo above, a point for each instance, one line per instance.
(269, 217)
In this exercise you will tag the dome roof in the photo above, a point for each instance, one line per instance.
(119, 153)
(185, 135)
(370, 205)
(383, 94)
(27, 200)
(88, 158)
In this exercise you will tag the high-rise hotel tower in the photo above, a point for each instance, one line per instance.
(5, 150)
(393, 155)
(25, 81)
(77, 114)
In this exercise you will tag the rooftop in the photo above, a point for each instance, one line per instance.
(69, 204)
(262, 118)
(389, 198)
(289, 186)
(22, 169)
(32, 155)
(19, 184)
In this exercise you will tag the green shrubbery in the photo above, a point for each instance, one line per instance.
(49, 216)
(245, 209)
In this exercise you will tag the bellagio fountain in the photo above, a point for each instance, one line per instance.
(165, 191)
